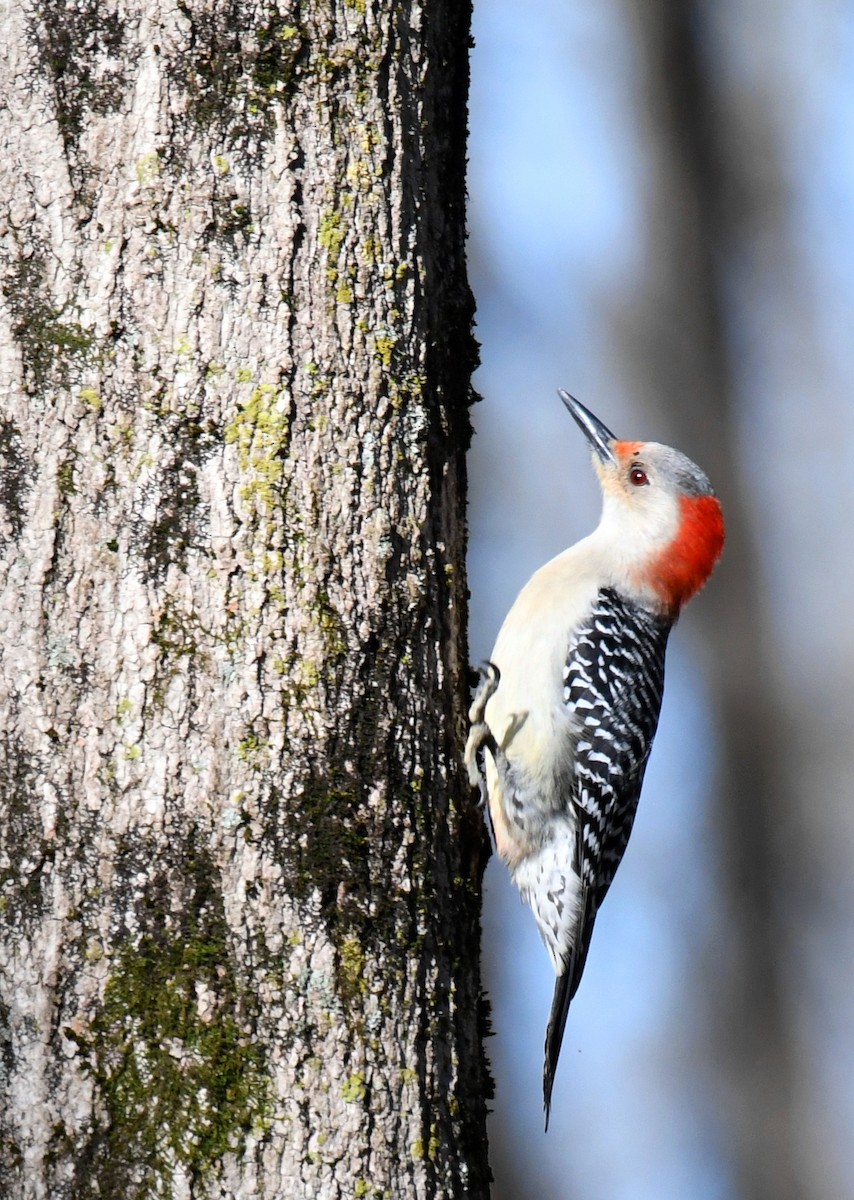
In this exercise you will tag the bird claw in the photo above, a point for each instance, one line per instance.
(480, 735)
(490, 677)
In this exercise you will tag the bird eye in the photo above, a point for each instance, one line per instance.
(638, 476)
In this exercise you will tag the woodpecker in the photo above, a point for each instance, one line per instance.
(568, 705)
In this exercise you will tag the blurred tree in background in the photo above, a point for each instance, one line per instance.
(674, 244)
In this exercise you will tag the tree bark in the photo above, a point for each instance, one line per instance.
(240, 869)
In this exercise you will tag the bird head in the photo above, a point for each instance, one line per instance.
(660, 515)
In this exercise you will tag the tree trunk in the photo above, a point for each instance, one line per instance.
(239, 865)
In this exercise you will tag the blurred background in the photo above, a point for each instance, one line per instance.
(662, 221)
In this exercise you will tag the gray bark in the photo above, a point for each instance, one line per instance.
(239, 867)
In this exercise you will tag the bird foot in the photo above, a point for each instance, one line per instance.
(480, 735)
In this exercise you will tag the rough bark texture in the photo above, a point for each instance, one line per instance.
(239, 868)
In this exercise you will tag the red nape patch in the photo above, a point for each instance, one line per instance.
(680, 571)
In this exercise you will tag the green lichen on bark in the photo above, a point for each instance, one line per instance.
(260, 430)
(326, 841)
(55, 347)
(238, 67)
(180, 1076)
(85, 50)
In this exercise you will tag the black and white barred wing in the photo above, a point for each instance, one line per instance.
(613, 685)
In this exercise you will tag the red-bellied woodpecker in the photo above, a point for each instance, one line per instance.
(568, 705)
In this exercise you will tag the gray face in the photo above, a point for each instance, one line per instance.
(676, 469)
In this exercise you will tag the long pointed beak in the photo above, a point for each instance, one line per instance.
(598, 435)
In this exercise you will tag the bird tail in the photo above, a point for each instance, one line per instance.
(563, 993)
(566, 985)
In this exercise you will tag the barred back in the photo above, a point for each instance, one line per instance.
(613, 685)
